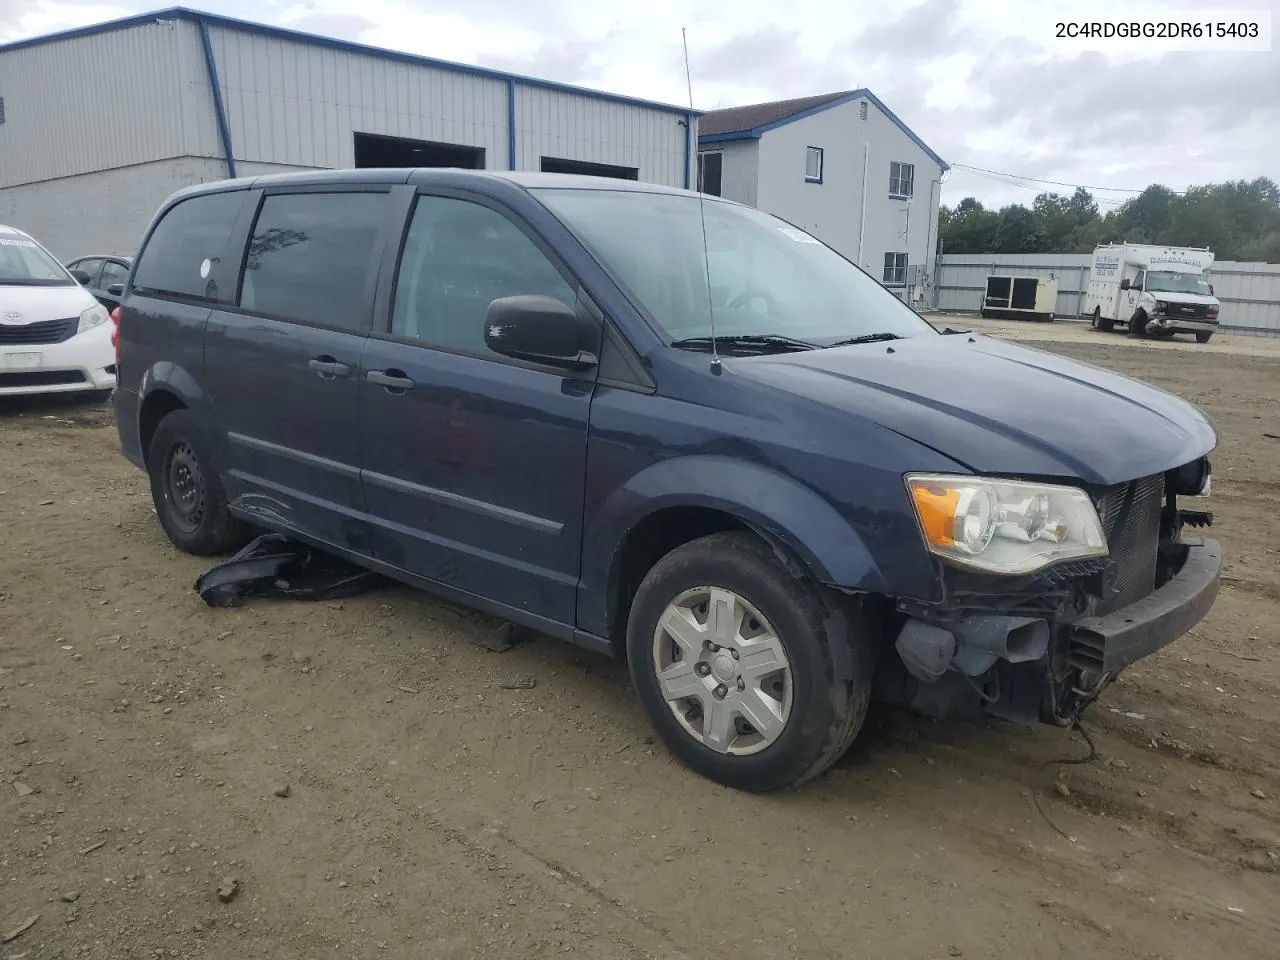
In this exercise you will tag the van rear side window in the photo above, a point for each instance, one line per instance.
(185, 246)
(309, 257)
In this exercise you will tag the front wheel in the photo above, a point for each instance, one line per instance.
(735, 662)
(1204, 337)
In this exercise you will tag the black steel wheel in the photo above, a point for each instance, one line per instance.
(186, 489)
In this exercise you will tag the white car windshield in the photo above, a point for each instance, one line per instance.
(1166, 281)
(767, 279)
(23, 262)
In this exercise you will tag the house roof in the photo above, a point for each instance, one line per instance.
(247, 26)
(740, 119)
(752, 121)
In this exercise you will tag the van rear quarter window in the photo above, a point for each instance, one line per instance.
(309, 256)
(192, 232)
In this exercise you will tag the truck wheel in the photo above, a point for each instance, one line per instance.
(1204, 337)
(1105, 324)
(737, 664)
(186, 490)
(1138, 325)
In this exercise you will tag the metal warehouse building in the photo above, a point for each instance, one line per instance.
(99, 125)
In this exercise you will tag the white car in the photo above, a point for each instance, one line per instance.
(54, 336)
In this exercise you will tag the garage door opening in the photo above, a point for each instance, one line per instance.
(376, 151)
(557, 165)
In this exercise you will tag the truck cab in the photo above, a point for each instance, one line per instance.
(1155, 291)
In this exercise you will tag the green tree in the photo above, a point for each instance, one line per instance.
(1237, 220)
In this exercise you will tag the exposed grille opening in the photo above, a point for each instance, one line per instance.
(41, 378)
(1131, 521)
(48, 331)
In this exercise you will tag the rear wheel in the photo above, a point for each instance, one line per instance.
(186, 490)
(1105, 324)
(1204, 337)
(735, 660)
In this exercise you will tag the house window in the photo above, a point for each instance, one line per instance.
(902, 179)
(710, 169)
(895, 269)
(813, 164)
(862, 109)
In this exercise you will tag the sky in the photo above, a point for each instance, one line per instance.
(984, 82)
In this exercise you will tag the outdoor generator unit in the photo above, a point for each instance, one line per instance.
(1020, 298)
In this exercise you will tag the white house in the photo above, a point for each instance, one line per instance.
(840, 166)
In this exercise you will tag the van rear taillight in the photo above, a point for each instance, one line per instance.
(115, 333)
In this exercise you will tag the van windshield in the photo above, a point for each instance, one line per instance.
(1167, 281)
(23, 262)
(767, 279)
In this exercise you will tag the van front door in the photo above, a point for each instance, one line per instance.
(474, 464)
(283, 364)
(1129, 298)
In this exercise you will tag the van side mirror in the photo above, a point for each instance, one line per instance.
(540, 329)
(1124, 284)
(80, 276)
(116, 290)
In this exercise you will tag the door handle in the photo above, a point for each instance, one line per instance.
(393, 381)
(327, 368)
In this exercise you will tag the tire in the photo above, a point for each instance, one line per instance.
(1105, 324)
(1203, 337)
(816, 700)
(187, 491)
(1138, 325)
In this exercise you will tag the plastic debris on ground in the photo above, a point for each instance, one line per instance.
(274, 565)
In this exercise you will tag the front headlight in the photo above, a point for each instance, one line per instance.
(1004, 526)
(95, 316)
(1161, 306)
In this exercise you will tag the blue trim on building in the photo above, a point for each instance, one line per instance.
(755, 132)
(688, 147)
(511, 123)
(215, 87)
(297, 36)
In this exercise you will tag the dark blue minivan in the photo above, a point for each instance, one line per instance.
(669, 428)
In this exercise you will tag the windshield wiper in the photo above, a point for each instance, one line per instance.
(764, 341)
(866, 338)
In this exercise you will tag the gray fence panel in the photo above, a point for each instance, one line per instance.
(1250, 292)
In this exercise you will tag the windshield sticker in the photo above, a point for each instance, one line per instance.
(799, 236)
(205, 267)
(8, 242)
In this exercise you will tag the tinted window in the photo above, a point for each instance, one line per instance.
(309, 257)
(194, 231)
(89, 265)
(458, 258)
(113, 272)
(710, 168)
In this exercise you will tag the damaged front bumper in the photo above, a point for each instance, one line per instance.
(1140, 629)
(1025, 666)
(1164, 323)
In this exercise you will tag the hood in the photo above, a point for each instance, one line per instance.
(999, 408)
(38, 304)
(1199, 299)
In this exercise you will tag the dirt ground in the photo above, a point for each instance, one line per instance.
(446, 802)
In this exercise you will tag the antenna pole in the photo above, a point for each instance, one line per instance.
(702, 214)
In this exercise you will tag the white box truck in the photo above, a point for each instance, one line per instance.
(1156, 291)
